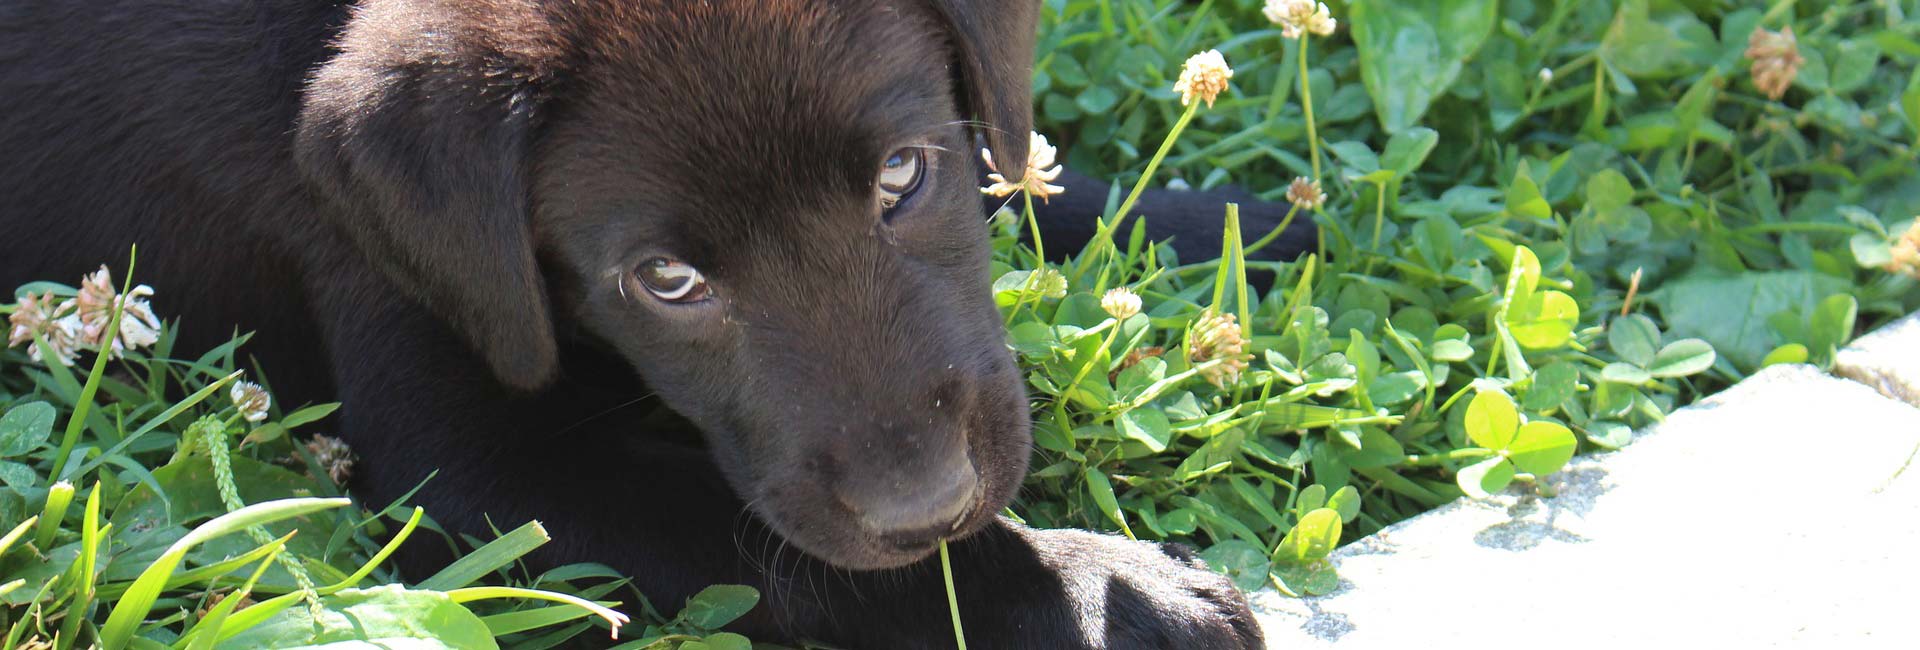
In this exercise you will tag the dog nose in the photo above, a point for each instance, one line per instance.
(914, 512)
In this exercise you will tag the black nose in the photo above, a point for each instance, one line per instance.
(914, 510)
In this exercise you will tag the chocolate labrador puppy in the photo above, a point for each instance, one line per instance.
(488, 225)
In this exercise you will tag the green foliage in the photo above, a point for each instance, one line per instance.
(1550, 222)
(160, 529)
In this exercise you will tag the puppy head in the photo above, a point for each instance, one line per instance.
(768, 207)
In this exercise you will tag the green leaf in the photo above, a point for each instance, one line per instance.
(1346, 502)
(1869, 250)
(1542, 447)
(1312, 539)
(1147, 425)
(1730, 311)
(1910, 103)
(1097, 100)
(1101, 490)
(1543, 320)
(1412, 51)
(1609, 434)
(1609, 190)
(1789, 353)
(1832, 323)
(1407, 150)
(309, 415)
(719, 605)
(389, 616)
(1311, 497)
(1524, 198)
(1853, 65)
(1625, 373)
(1553, 385)
(1316, 579)
(728, 641)
(1247, 565)
(1491, 419)
(1486, 477)
(1647, 46)
(25, 428)
(1635, 338)
(1681, 358)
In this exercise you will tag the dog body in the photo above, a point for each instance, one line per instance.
(488, 227)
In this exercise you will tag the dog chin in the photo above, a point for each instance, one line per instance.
(839, 539)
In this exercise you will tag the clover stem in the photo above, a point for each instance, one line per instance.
(1105, 236)
(1306, 104)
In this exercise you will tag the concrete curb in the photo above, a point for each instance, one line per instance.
(1887, 359)
(1776, 513)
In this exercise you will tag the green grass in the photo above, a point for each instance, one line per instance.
(1516, 266)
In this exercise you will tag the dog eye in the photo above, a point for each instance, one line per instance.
(672, 281)
(899, 176)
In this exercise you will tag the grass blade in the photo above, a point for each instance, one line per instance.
(486, 559)
(139, 599)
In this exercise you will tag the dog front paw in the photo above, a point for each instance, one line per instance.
(1137, 595)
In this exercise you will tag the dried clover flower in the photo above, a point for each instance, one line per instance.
(53, 322)
(1203, 77)
(94, 308)
(1906, 252)
(251, 399)
(1305, 192)
(1776, 59)
(1040, 171)
(1218, 337)
(334, 456)
(1134, 357)
(1121, 303)
(1298, 18)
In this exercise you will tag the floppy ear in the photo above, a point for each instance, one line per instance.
(994, 40)
(419, 129)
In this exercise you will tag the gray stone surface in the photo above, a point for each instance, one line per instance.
(1775, 514)
(1888, 360)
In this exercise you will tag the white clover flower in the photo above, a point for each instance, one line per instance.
(1203, 77)
(41, 315)
(1776, 60)
(1040, 171)
(251, 400)
(93, 308)
(1305, 192)
(1297, 18)
(1218, 336)
(1121, 303)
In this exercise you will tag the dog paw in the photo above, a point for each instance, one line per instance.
(1138, 595)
